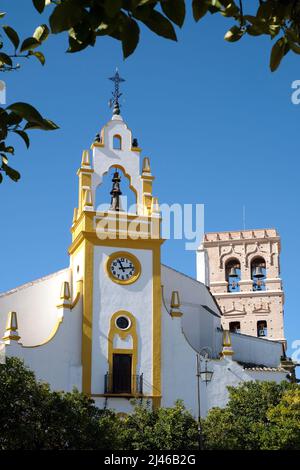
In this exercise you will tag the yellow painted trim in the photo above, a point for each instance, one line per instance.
(60, 320)
(82, 170)
(142, 244)
(132, 258)
(121, 395)
(78, 295)
(131, 331)
(156, 322)
(97, 144)
(12, 338)
(87, 314)
(50, 337)
(176, 314)
(63, 306)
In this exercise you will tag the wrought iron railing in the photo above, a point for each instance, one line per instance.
(135, 387)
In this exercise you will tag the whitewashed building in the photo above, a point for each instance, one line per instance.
(116, 323)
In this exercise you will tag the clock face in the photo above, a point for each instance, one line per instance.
(123, 268)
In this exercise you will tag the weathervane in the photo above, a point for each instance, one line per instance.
(114, 101)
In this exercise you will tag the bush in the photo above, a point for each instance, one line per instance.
(259, 415)
(34, 417)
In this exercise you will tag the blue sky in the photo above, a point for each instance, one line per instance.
(219, 127)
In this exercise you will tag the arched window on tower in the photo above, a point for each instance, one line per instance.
(262, 328)
(117, 142)
(258, 273)
(233, 275)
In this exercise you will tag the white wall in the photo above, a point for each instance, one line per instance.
(110, 297)
(105, 157)
(35, 304)
(249, 349)
(199, 324)
(57, 362)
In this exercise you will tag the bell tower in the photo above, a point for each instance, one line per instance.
(116, 253)
(242, 270)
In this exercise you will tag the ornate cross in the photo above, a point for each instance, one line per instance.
(114, 101)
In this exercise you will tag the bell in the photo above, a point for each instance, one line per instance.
(233, 273)
(258, 272)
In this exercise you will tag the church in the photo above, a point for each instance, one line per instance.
(118, 324)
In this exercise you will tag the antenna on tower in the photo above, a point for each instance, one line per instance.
(244, 217)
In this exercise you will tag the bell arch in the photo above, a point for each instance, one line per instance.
(128, 193)
(233, 274)
(258, 273)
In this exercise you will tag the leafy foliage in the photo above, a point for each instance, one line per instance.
(18, 118)
(284, 421)
(259, 415)
(33, 417)
(121, 19)
(163, 429)
(88, 20)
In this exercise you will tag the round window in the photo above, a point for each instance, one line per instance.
(123, 323)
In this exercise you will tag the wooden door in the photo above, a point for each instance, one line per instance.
(122, 365)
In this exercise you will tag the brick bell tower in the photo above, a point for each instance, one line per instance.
(242, 270)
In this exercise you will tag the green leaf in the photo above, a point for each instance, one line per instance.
(2, 14)
(215, 6)
(254, 30)
(274, 29)
(24, 136)
(65, 16)
(27, 112)
(174, 10)
(13, 119)
(29, 43)
(49, 125)
(45, 125)
(10, 149)
(13, 174)
(112, 7)
(233, 34)
(41, 33)
(1, 178)
(265, 10)
(4, 158)
(5, 59)
(130, 36)
(39, 55)
(12, 35)
(277, 53)
(76, 46)
(200, 8)
(295, 47)
(160, 25)
(39, 5)
(230, 10)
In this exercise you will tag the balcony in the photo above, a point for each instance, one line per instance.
(123, 385)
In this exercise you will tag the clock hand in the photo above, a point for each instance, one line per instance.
(121, 265)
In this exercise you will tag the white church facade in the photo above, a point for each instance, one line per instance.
(116, 323)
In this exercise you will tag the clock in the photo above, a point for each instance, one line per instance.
(123, 267)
